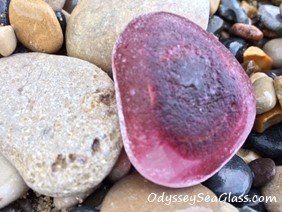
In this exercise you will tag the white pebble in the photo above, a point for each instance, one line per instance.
(8, 40)
(12, 185)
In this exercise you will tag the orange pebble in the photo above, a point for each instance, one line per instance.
(268, 119)
(259, 56)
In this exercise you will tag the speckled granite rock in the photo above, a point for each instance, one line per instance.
(59, 125)
(95, 24)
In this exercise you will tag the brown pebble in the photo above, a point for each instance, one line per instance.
(268, 119)
(250, 67)
(121, 168)
(70, 5)
(264, 171)
(269, 33)
(246, 31)
(36, 25)
(251, 10)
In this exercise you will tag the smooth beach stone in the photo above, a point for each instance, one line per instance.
(231, 10)
(247, 155)
(274, 189)
(172, 102)
(214, 4)
(270, 17)
(59, 124)
(254, 77)
(246, 31)
(70, 5)
(278, 88)
(40, 36)
(269, 143)
(274, 49)
(226, 180)
(251, 10)
(62, 20)
(121, 168)
(95, 25)
(265, 93)
(216, 25)
(8, 40)
(236, 46)
(259, 56)
(134, 193)
(12, 185)
(4, 16)
(63, 203)
(264, 171)
(56, 5)
(268, 119)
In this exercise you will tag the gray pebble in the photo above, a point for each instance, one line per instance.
(273, 48)
(231, 10)
(270, 17)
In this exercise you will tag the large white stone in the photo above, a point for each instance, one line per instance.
(58, 122)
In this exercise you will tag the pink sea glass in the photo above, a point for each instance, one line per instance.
(185, 104)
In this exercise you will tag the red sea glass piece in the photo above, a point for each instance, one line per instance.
(185, 104)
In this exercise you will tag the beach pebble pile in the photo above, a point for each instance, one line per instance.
(60, 142)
